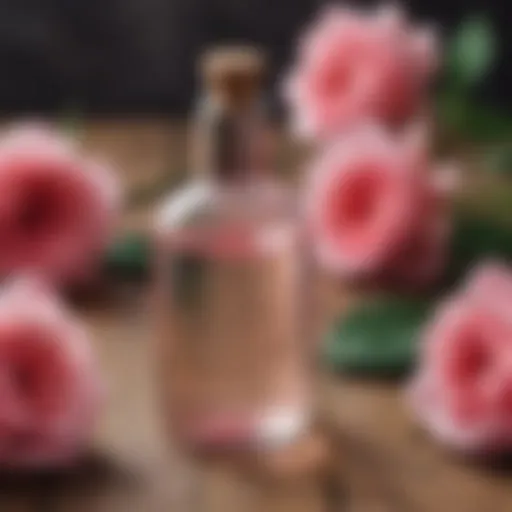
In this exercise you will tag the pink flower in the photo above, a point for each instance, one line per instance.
(49, 387)
(57, 207)
(462, 392)
(353, 66)
(378, 209)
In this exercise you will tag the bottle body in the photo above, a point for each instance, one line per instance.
(229, 285)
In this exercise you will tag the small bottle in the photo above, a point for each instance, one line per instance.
(228, 277)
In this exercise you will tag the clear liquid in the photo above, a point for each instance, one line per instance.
(231, 336)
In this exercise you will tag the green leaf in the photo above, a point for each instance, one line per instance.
(452, 113)
(71, 120)
(477, 237)
(486, 124)
(378, 337)
(498, 159)
(472, 51)
(128, 256)
(471, 121)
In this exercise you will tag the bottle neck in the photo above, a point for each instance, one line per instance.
(229, 140)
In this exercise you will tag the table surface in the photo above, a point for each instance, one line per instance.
(379, 461)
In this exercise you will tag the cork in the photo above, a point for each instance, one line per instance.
(233, 73)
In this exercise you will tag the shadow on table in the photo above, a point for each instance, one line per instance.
(95, 472)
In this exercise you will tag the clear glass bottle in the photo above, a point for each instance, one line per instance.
(229, 278)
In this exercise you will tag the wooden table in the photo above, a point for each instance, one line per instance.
(380, 462)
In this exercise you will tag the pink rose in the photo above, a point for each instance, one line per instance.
(462, 391)
(353, 66)
(49, 387)
(57, 207)
(378, 209)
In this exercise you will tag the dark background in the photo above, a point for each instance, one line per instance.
(125, 56)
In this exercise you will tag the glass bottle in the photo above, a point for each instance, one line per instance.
(229, 277)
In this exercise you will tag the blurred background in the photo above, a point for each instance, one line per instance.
(137, 56)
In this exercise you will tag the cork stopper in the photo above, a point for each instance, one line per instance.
(233, 73)
(231, 118)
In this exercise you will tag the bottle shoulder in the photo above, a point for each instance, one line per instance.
(201, 201)
(184, 203)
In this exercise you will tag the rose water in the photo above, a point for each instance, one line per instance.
(229, 278)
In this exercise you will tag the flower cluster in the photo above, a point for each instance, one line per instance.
(378, 210)
(57, 211)
(359, 90)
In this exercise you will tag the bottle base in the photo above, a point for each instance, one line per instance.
(228, 431)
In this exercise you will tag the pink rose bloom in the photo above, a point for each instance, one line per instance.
(353, 66)
(49, 387)
(462, 391)
(57, 207)
(378, 209)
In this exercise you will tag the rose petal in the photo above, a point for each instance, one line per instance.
(49, 385)
(57, 210)
(462, 392)
(354, 65)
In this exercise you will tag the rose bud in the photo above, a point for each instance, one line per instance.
(49, 385)
(462, 391)
(378, 209)
(353, 66)
(57, 207)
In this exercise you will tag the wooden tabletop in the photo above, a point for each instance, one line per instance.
(376, 459)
